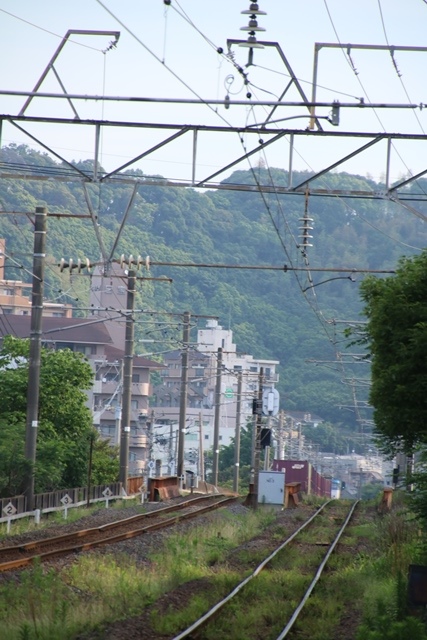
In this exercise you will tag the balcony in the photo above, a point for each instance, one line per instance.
(140, 389)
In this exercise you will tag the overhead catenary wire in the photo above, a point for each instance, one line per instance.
(233, 267)
(52, 33)
(363, 88)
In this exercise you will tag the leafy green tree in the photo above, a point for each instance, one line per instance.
(396, 336)
(65, 422)
(226, 458)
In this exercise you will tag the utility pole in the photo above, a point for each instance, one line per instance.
(257, 452)
(118, 421)
(183, 399)
(127, 381)
(150, 436)
(267, 449)
(201, 459)
(172, 459)
(237, 434)
(34, 361)
(280, 437)
(216, 418)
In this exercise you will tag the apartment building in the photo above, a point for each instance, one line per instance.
(15, 295)
(201, 394)
(101, 338)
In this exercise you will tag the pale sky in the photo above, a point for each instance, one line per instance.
(160, 55)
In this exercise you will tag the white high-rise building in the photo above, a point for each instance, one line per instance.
(202, 377)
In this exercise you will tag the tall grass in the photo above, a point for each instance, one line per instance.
(97, 588)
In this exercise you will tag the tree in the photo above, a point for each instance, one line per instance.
(226, 457)
(65, 422)
(396, 336)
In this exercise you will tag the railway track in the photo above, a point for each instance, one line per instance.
(216, 621)
(21, 555)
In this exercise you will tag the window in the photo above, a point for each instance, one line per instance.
(237, 367)
(111, 376)
(107, 430)
(135, 377)
(65, 345)
(220, 437)
(253, 369)
(206, 437)
(134, 404)
(7, 311)
(198, 372)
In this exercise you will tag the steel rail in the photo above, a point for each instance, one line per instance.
(316, 578)
(85, 533)
(216, 608)
(260, 567)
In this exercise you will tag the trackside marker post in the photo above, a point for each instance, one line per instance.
(9, 510)
(66, 500)
(107, 494)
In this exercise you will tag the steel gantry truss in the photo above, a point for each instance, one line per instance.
(261, 135)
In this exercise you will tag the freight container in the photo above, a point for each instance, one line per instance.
(302, 471)
(296, 471)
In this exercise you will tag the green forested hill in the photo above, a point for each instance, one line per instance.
(269, 312)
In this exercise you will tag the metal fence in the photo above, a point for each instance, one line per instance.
(52, 499)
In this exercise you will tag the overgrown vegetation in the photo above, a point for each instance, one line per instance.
(367, 586)
(101, 588)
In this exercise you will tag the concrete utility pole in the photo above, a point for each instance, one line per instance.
(217, 418)
(267, 449)
(127, 381)
(257, 453)
(35, 352)
(237, 434)
(201, 460)
(280, 437)
(183, 399)
(150, 435)
(172, 459)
